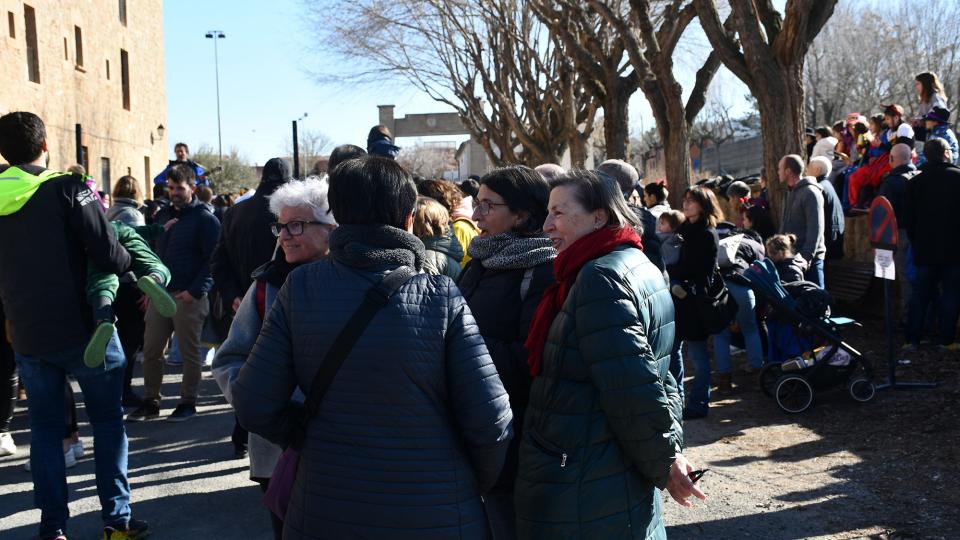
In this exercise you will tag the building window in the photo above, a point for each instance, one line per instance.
(146, 168)
(123, 12)
(78, 38)
(33, 54)
(66, 50)
(10, 23)
(85, 153)
(125, 78)
(105, 174)
(108, 70)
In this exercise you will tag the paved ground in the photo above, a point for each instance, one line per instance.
(772, 476)
(184, 480)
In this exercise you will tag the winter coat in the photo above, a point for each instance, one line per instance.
(415, 424)
(465, 230)
(49, 238)
(698, 258)
(503, 311)
(186, 248)
(126, 211)
(894, 188)
(833, 223)
(803, 216)
(245, 241)
(443, 255)
(233, 353)
(930, 214)
(942, 131)
(198, 170)
(603, 423)
(792, 270)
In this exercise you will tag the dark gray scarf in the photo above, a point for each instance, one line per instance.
(510, 251)
(375, 246)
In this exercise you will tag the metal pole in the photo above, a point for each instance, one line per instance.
(216, 68)
(79, 134)
(296, 152)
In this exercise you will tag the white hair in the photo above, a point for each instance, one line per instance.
(310, 192)
(823, 164)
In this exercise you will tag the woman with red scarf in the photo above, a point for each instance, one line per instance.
(602, 434)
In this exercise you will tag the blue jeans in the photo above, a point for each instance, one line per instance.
(747, 320)
(43, 377)
(676, 366)
(815, 273)
(940, 282)
(699, 398)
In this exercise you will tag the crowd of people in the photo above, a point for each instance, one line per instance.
(413, 358)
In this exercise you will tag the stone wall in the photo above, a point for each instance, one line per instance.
(91, 94)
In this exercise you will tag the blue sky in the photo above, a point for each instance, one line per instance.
(264, 84)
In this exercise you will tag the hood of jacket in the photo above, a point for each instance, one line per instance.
(447, 244)
(19, 183)
(381, 146)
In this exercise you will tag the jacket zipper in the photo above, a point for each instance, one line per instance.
(539, 442)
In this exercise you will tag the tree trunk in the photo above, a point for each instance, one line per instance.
(676, 155)
(779, 96)
(616, 126)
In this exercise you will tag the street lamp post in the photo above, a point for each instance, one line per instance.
(296, 147)
(217, 35)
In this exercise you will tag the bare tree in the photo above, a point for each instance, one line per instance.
(233, 173)
(650, 37)
(491, 60)
(313, 145)
(428, 160)
(859, 59)
(766, 50)
(714, 125)
(599, 54)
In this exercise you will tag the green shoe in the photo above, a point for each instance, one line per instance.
(163, 302)
(96, 351)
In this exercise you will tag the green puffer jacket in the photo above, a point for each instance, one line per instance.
(603, 423)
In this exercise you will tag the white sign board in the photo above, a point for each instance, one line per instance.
(883, 266)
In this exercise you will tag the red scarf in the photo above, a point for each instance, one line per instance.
(566, 267)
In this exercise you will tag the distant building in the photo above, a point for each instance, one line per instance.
(97, 63)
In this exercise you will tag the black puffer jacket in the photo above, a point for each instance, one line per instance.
(494, 297)
(698, 258)
(414, 426)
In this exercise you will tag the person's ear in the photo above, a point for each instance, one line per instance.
(521, 218)
(408, 224)
(601, 218)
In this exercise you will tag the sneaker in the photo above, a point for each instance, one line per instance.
(69, 459)
(182, 413)
(159, 298)
(174, 360)
(132, 399)
(149, 409)
(7, 447)
(208, 359)
(135, 528)
(55, 535)
(77, 449)
(96, 351)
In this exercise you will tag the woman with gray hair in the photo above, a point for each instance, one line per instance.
(303, 227)
(602, 432)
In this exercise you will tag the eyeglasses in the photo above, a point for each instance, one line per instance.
(485, 206)
(294, 228)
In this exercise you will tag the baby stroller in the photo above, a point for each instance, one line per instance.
(828, 362)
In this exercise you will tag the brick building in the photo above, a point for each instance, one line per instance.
(97, 63)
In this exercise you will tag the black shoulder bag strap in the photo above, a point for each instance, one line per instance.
(375, 299)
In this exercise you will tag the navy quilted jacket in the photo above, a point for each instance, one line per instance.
(415, 425)
(186, 249)
(603, 422)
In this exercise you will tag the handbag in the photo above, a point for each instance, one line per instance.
(715, 305)
(277, 497)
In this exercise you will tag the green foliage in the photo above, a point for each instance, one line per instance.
(235, 171)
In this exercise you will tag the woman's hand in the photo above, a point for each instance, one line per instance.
(680, 486)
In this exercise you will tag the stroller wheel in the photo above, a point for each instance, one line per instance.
(769, 376)
(794, 394)
(862, 389)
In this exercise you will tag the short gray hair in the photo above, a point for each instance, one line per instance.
(310, 192)
(823, 164)
(901, 152)
(594, 192)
